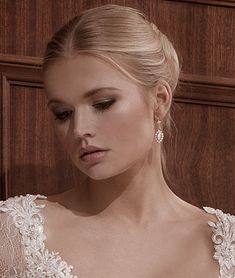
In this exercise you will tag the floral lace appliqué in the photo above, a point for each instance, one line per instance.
(224, 241)
(27, 218)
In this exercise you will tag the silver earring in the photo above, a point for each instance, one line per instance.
(159, 135)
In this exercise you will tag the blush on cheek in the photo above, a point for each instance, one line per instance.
(134, 121)
(133, 134)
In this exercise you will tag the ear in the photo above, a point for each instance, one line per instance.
(163, 99)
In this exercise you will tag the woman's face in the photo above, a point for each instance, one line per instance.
(95, 104)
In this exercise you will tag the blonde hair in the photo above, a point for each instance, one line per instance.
(124, 37)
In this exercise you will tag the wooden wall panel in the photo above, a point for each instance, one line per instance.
(202, 164)
(27, 25)
(204, 36)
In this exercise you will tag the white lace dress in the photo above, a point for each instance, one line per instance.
(23, 253)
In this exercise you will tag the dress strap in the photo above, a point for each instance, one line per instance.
(224, 241)
(28, 219)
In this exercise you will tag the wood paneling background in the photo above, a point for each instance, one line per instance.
(201, 155)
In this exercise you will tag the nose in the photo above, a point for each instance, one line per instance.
(83, 124)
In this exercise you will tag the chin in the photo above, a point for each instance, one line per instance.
(95, 175)
(98, 172)
(103, 170)
(95, 172)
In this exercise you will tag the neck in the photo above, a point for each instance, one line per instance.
(136, 195)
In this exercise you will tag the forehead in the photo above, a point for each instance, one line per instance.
(84, 73)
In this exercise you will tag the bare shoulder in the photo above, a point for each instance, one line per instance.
(195, 235)
(51, 209)
(56, 215)
(196, 222)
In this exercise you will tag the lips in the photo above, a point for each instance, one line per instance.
(90, 153)
(94, 157)
(88, 150)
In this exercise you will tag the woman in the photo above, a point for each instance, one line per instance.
(109, 76)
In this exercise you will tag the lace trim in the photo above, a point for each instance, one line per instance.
(27, 218)
(224, 241)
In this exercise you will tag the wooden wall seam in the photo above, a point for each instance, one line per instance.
(215, 91)
(5, 127)
(220, 3)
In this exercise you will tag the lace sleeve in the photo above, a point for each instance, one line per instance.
(11, 249)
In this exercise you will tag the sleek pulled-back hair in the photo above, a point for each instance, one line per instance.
(124, 37)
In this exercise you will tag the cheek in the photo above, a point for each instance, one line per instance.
(131, 128)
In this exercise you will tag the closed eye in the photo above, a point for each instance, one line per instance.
(63, 116)
(105, 105)
(101, 106)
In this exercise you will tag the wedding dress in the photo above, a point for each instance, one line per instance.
(23, 253)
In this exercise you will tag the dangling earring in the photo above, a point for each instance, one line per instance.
(159, 135)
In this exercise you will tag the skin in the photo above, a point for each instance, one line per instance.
(123, 199)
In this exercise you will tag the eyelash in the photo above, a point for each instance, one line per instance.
(101, 107)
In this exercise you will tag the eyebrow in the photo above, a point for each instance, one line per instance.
(87, 95)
